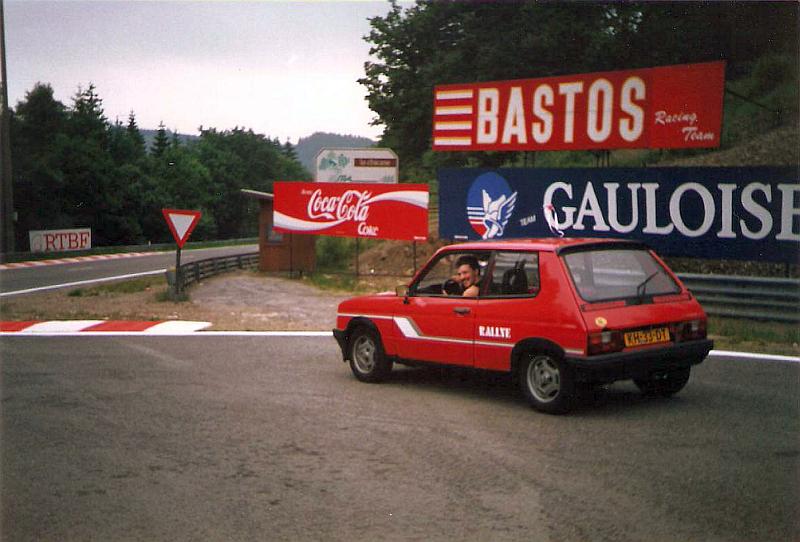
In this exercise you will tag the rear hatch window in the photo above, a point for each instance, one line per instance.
(615, 273)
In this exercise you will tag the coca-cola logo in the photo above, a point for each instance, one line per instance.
(352, 205)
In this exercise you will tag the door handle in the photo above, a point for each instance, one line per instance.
(461, 310)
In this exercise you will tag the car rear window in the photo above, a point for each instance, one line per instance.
(609, 274)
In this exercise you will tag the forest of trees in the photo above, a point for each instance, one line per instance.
(434, 43)
(74, 168)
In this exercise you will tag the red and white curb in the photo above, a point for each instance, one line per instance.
(100, 327)
(77, 259)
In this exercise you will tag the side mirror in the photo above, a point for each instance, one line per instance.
(401, 290)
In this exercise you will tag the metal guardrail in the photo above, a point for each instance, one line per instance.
(759, 298)
(198, 270)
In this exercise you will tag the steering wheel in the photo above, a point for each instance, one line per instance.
(452, 287)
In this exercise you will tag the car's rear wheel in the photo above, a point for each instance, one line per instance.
(367, 358)
(546, 382)
(664, 384)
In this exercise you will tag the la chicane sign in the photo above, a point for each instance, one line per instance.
(745, 213)
(371, 210)
(665, 107)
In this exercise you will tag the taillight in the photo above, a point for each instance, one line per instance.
(605, 342)
(689, 331)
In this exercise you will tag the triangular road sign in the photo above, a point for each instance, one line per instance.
(181, 223)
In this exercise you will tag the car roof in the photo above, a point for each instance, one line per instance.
(548, 244)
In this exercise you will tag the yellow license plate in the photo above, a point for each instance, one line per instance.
(647, 336)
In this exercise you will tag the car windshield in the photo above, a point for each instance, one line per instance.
(609, 274)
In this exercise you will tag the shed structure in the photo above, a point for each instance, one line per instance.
(281, 251)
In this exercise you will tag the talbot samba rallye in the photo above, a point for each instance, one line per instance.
(557, 313)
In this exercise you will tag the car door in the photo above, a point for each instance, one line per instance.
(434, 326)
(510, 309)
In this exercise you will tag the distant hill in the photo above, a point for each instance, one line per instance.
(308, 147)
(150, 135)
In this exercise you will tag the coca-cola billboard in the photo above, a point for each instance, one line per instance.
(371, 210)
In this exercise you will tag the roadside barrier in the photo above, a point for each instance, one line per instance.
(758, 298)
(198, 270)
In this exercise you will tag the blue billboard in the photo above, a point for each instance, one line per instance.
(748, 213)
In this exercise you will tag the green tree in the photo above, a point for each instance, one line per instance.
(288, 151)
(161, 142)
(434, 43)
(37, 129)
(135, 135)
(237, 159)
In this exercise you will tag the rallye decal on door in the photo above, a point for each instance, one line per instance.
(410, 331)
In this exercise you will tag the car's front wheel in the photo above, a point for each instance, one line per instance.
(367, 359)
(546, 382)
(665, 384)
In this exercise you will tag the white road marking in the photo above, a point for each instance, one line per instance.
(748, 355)
(81, 283)
(176, 327)
(59, 326)
(170, 333)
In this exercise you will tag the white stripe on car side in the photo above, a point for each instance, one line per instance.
(373, 316)
(410, 330)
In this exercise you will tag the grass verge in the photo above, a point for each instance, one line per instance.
(753, 336)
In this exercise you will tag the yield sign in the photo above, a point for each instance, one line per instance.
(181, 223)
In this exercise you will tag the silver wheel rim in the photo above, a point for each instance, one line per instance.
(544, 379)
(364, 354)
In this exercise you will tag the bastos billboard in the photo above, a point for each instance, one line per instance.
(665, 107)
(372, 210)
(749, 213)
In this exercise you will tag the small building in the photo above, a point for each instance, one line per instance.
(281, 251)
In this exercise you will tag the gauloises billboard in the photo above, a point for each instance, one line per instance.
(371, 210)
(742, 213)
(665, 107)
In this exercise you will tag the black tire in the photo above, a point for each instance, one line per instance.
(664, 385)
(367, 358)
(546, 382)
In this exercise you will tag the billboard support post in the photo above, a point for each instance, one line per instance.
(357, 247)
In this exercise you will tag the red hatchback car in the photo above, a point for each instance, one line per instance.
(558, 313)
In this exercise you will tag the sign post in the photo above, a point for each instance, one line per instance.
(181, 223)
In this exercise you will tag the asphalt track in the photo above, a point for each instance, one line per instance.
(219, 437)
(25, 280)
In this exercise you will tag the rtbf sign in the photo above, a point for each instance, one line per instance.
(666, 107)
(60, 240)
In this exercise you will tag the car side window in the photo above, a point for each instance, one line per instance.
(441, 278)
(515, 274)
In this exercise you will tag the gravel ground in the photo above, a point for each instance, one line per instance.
(253, 302)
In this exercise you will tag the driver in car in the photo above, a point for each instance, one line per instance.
(468, 276)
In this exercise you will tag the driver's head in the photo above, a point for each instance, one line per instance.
(467, 271)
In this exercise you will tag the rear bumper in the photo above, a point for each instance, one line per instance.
(639, 363)
(341, 338)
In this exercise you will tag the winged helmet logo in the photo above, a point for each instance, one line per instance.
(490, 204)
(496, 214)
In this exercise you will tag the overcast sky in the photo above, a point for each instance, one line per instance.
(284, 69)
